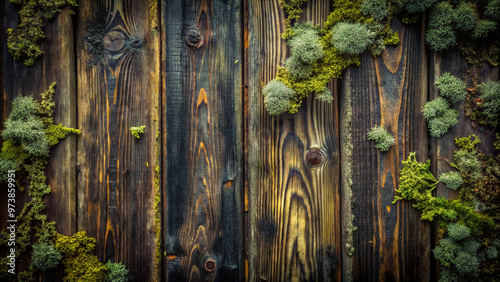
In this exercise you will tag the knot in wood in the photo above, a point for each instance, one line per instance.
(114, 41)
(194, 38)
(210, 264)
(314, 157)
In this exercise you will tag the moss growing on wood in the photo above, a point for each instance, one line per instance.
(22, 42)
(383, 139)
(137, 130)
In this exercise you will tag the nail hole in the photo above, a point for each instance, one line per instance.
(137, 43)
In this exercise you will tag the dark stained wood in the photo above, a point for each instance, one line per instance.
(442, 148)
(116, 171)
(203, 185)
(294, 208)
(56, 65)
(391, 243)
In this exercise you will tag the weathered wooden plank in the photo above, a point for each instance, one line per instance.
(391, 243)
(118, 70)
(442, 148)
(294, 206)
(202, 121)
(56, 65)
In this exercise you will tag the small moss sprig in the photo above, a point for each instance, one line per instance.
(383, 139)
(22, 42)
(137, 130)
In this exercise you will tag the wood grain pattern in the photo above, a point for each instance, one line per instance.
(391, 243)
(56, 65)
(294, 208)
(204, 180)
(116, 172)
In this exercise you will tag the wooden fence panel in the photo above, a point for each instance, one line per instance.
(294, 203)
(391, 243)
(118, 87)
(203, 133)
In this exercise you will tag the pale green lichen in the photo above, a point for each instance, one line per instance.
(452, 88)
(383, 139)
(452, 179)
(352, 38)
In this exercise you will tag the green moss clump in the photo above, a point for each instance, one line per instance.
(137, 130)
(466, 159)
(439, 116)
(352, 38)
(377, 9)
(305, 44)
(451, 88)
(22, 43)
(490, 94)
(292, 8)
(45, 257)
(492, 9)
(464, 17)
(383, 139)
(325, 95)
(452, 179)
(440, 36)
(483, 28)
(458, 231)
(277, 97)
(79, 261)
(117, 272)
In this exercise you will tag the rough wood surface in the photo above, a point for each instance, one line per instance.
(294, 208)
(391, 243)
(202, 123)
(116, 171)
(56, 65)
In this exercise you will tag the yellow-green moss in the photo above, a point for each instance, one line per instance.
(80, 264)
(153, 15)
(137, 130)
(332, 63)
(22, 42)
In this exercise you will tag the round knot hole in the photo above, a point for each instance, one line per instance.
(114, 41)
(194, 38)
(314, 157)
(210, 264)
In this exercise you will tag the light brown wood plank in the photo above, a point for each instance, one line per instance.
(294, 208)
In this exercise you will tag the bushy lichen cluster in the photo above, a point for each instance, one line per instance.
(438, 112)
(117, 272)
(452, 179)
(383, 139)
(137, 130)
(22, 42)
(315, 54)
(27, 153)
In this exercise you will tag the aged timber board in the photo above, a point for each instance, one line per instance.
(203, 181)
(391, 242)
(294, 204)
(118, 87)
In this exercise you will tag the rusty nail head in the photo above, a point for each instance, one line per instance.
(194, 38)
(210, 264)
(314, 157)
